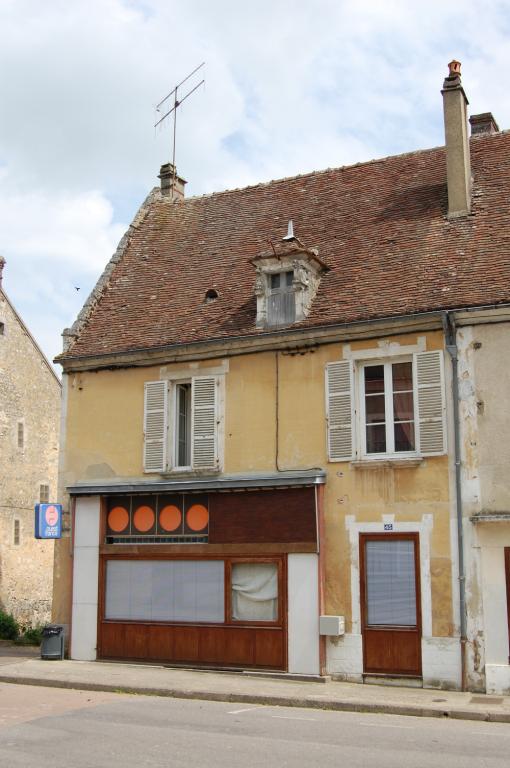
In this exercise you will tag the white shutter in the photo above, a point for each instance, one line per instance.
(155, 426)
(429, 392)
(204, 422)
(340, 410)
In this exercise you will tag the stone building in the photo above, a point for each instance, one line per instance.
(29, 429)
(267, 445)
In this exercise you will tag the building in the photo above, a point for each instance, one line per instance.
(262, 423)
(29, 433)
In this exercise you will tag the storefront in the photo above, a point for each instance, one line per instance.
(222, 576)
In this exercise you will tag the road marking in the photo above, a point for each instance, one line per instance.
(238, 711)
(287, 717)
(386, 725)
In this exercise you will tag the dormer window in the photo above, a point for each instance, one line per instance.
(281, 305)
(287, 280)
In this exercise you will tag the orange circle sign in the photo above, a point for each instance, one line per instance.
(51, 515)
(144, 519)
(170, 517)
(197, 517)
(118, 519)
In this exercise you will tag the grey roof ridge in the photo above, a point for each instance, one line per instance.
(69, 334)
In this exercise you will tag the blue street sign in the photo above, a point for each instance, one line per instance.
(48, 521)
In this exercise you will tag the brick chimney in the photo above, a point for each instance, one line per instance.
(458, 165)
(172, 185)
(483, 123)
(2, 264)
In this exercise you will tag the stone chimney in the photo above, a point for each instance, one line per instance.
(483, 123)
(458, 165)
(172, 185)
(2, 264)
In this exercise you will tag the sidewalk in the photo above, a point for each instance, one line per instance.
(250, 689)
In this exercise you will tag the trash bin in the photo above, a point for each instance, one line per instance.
(52, 646)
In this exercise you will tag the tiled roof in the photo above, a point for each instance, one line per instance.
(380, 227)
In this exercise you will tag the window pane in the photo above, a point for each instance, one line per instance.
(289, 277)
(403, 409)
(374, 409)
(183, 419)
(404, 436)
(402, 376)
(376, 438)
(390, 583)
(255, 592)
(185, 590)
(374, 378)
(275, 281)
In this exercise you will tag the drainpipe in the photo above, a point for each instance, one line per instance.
(451, 347)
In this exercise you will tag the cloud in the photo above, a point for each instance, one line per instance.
(290, 87)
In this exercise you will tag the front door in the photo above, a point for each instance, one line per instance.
(390, 604)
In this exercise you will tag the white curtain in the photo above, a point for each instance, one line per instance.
(255, 591)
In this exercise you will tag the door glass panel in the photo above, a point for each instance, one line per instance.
(390, 582)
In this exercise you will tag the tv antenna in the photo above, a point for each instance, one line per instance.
(163, 105)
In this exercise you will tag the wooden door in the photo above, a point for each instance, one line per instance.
(390, 604)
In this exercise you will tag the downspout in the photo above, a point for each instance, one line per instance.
(450, 333)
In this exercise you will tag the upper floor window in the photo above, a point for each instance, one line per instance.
(387, 405)
(16, 532)
(2, 328)
(44, 494)
(181, 424)
(21, 434)
(389, 408)
(281, 304)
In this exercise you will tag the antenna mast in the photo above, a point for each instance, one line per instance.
(173, 110)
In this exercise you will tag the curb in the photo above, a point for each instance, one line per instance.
(269, 701)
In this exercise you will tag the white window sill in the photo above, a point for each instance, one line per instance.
(388, 461)
(189, 471)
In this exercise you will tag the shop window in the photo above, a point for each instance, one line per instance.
(254, 593)
(169, 590)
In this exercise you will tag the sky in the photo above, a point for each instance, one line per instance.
(291, 86)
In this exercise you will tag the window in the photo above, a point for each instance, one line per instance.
(16, 537)
(181, 424)
(21, 434)
(254, 592)
(44, 494)
(386, 409)
(195, 591)
(281, 305)
(2, 328)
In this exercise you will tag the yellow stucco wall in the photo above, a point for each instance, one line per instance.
(104, 441)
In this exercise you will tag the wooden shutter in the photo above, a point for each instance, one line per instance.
(430, 398)
(155, 426)
(340, 410)
(204, 422)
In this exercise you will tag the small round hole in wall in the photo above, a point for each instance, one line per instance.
(211, 295)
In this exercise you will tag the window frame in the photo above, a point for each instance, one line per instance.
(173, 426)
(16, 532)
(228, 561)
(287, 289)
(361, 425)
(41, 499)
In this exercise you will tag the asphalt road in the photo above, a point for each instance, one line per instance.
(48, 727)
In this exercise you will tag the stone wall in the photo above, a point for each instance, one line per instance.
(29, 396)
